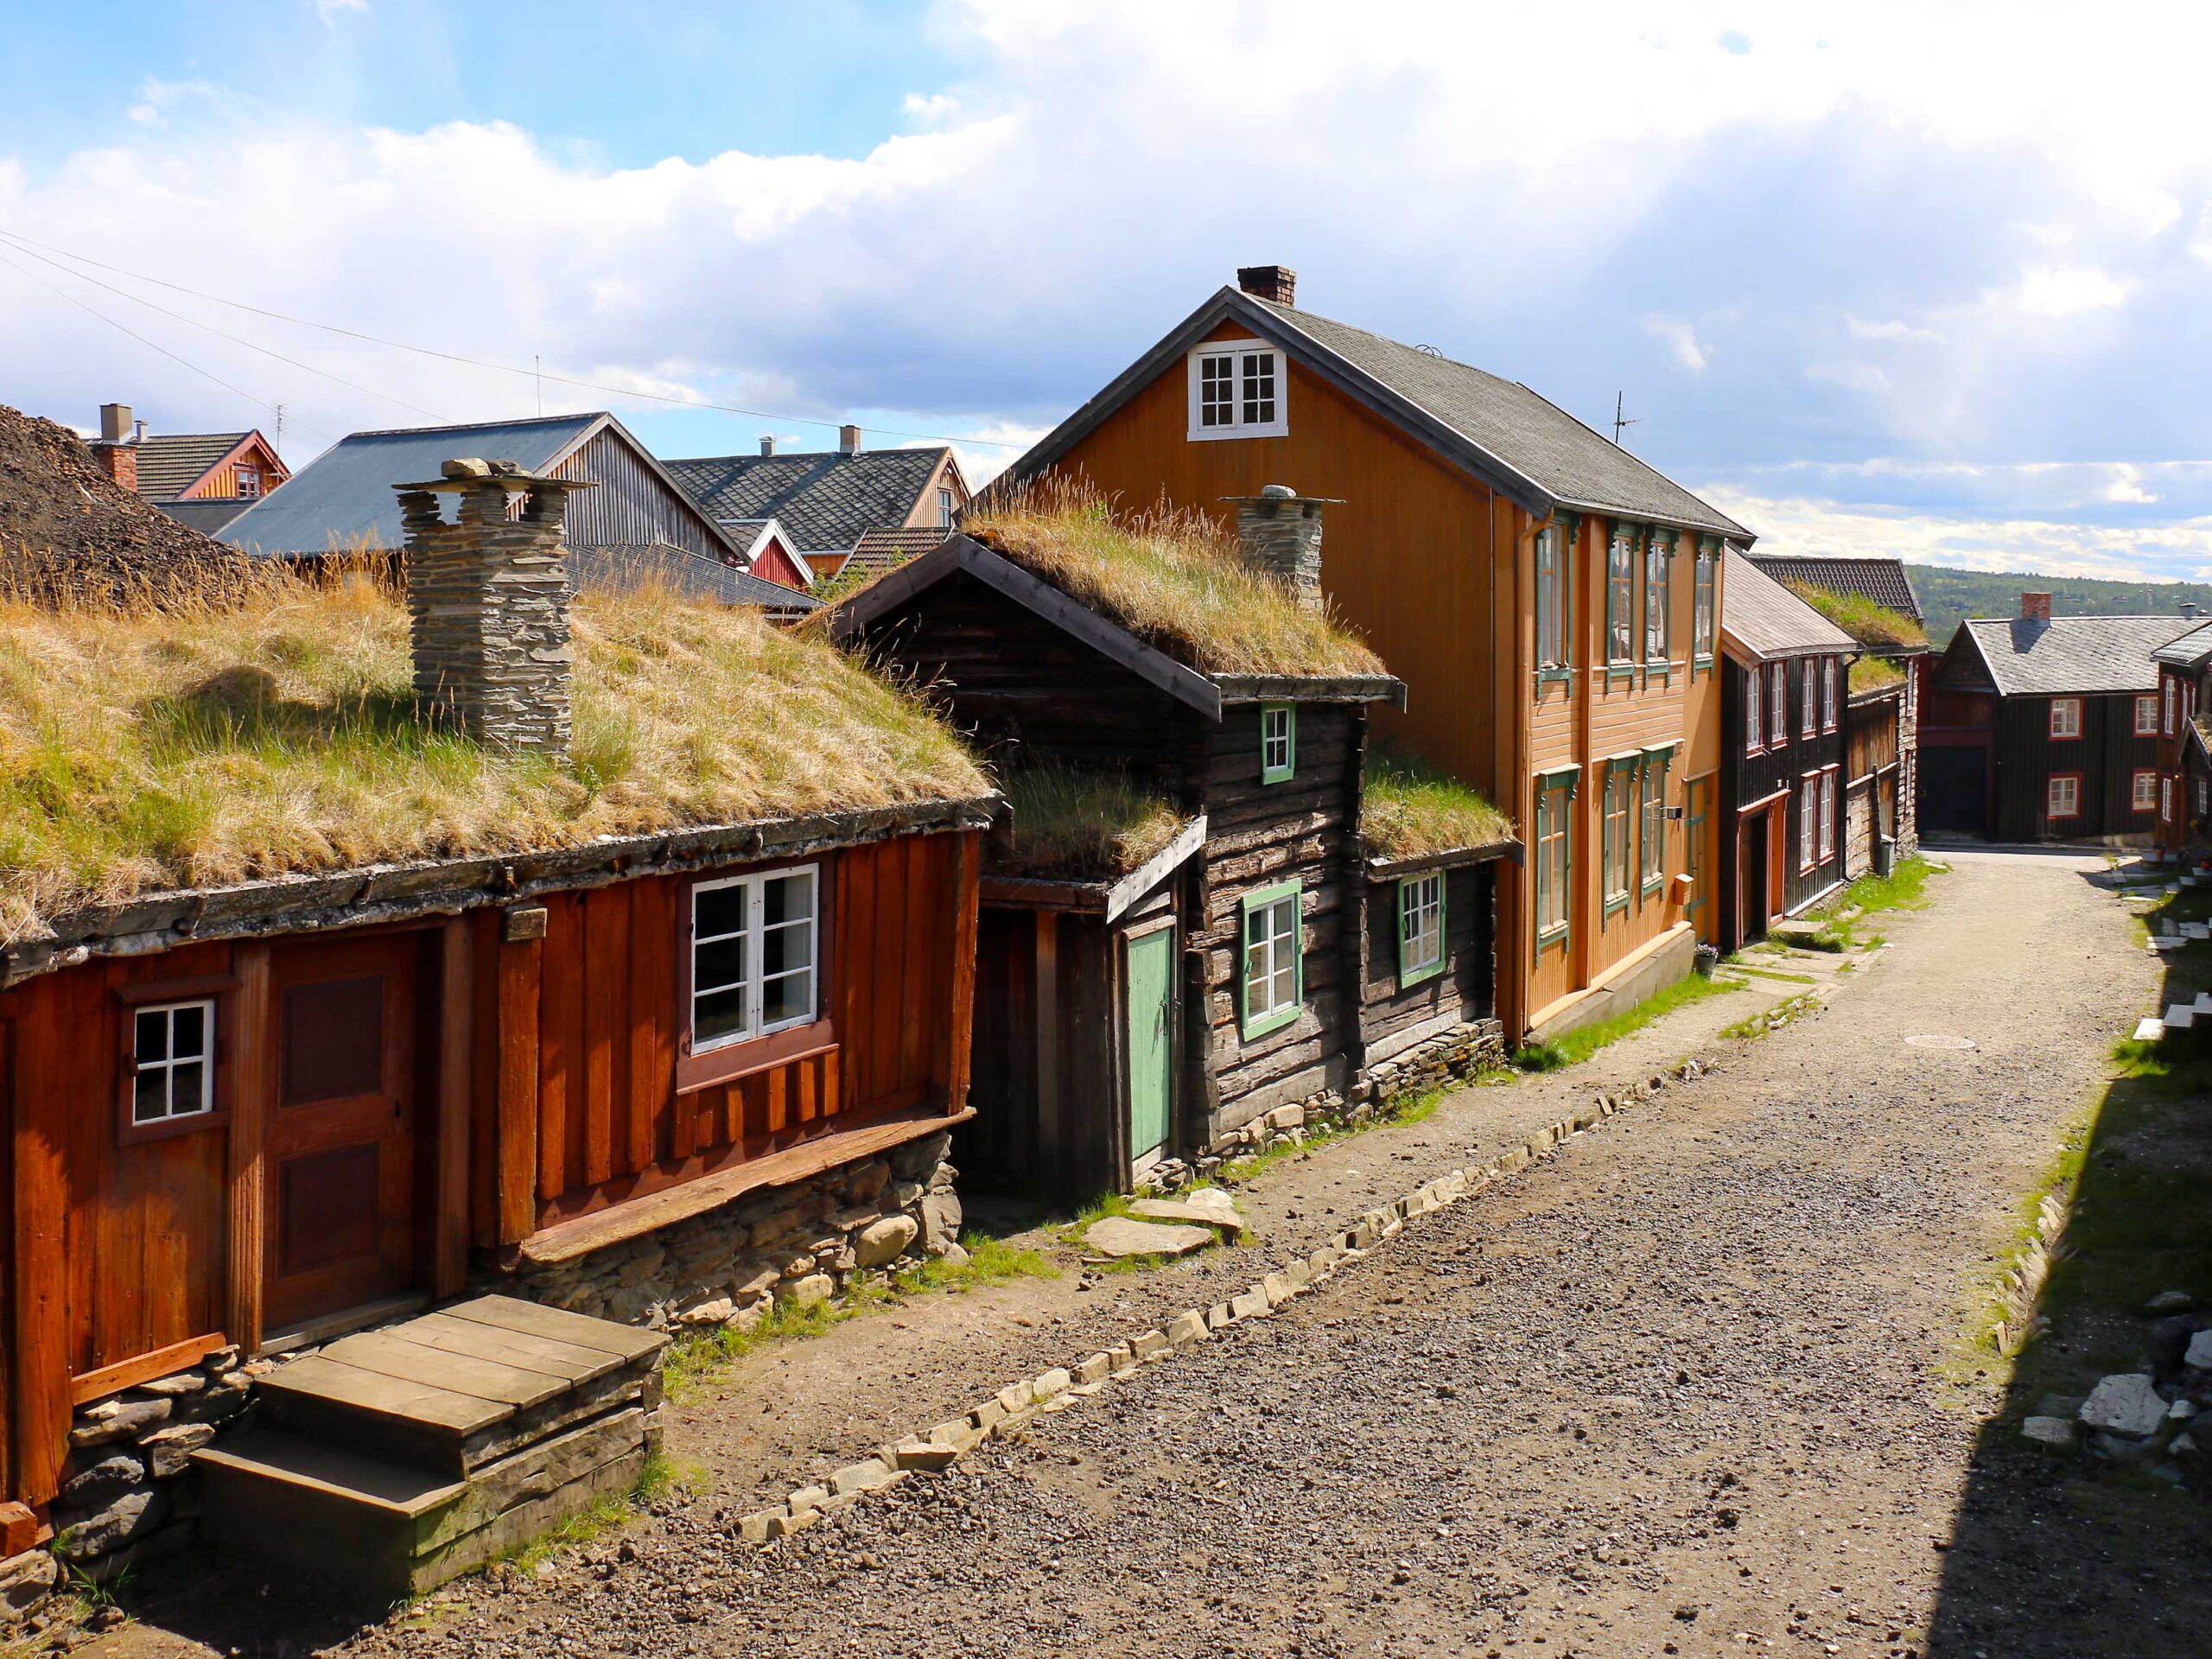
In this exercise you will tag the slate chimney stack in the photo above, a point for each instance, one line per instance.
(488, 594)
(1275, 283)
(2034, 607)
(848, 439)
(1279, 535)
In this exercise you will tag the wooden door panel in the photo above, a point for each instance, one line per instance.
(1151, 1051)
(339, 1147)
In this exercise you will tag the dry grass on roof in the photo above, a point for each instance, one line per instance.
(1868, 623)
(1411, 809)
(1082, 826)
(1874, 674)
(277, 733)
(1171, 577)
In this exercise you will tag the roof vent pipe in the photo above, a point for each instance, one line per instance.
(1279, 535)
(767, 443)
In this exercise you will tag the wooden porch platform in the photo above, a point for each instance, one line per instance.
(399, 1458)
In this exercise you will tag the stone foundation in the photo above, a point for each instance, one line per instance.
(1451, 1057)
(801, 1244)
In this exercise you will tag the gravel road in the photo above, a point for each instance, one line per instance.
(1699, 1384)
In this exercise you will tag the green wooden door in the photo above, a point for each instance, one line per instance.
(1152, 1058)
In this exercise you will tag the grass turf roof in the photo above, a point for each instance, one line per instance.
(1171, 577)
(1861, 617)
(1082, 826)
(1875, 674)
(1410, 810)
(276, 732)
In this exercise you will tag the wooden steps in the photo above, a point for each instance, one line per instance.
(397, 1459)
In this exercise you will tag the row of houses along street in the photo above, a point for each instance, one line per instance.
(516, 902)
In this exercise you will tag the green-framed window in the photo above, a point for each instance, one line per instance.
(1273, 979)
(1658, 563)
(1652, 834)
(1620, 596)
(1420, 927)
(1614, 830)
(1278, 741)
(1694, 847)
(1704, 609)
(1554, 856)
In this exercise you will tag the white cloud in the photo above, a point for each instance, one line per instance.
(1850, 374)
(329, 9)
(1681, 338)
(1862, 328)
(2051, 291)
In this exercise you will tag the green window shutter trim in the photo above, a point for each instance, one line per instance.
(1283, 774)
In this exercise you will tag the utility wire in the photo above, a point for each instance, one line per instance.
(14, 238)
(222, 333)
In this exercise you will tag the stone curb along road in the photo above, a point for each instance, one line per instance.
(1018, 1403)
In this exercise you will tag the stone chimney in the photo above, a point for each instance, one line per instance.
(848, 439)
(767, 443)
(2034, 607)
(116, 448)
(1279, 534)
(488, 593)
(1275, 283)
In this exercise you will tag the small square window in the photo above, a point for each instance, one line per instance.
(1278, 742)
(2063, 799)
(2066, 716)
(1237, 391)
(172, 1061)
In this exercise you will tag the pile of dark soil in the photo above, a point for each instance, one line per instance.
(70, 534)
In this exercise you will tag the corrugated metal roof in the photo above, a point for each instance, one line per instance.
(1883, 581)
(169, 463)
(2073, 654)
(1763, 619)
(344, 495)
(827, 501)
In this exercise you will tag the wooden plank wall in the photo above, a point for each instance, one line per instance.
(585, 1045)
(1461, 992)
(632, 507)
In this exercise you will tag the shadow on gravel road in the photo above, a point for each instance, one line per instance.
(2070, 1552)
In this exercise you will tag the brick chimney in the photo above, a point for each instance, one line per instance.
(489, 598)
(115, 449)
(1279, 534)
(1275, 283)
(2034, 607)
(848, 439)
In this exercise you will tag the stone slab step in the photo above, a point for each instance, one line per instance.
(2150, 1028)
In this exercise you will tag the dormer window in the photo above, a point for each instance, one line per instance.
(1237, 391)
(249, 483)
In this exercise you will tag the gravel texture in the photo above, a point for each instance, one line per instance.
(1699, 1384)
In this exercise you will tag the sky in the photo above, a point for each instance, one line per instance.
(1924, 279)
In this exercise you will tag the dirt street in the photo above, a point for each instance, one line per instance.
(1700, 1384)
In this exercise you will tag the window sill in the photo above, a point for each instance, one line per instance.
(1652, 884)
(1419, 975)
(1620, 673)
(1555, 936)
(1217, 433)
(1267, 1024)
(695, 1071)
(1555, 676)
(1617, 906)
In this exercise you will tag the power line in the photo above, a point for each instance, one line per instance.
(16, 237)
(223, 333)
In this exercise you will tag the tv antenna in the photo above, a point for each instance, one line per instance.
(1620, 421)
(280, 426)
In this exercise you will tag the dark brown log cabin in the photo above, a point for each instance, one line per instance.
(631, 1071)
(1137, 1020)
(2184, 785)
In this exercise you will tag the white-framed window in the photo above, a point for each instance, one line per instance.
(2166, 687)
(944, 507)
(1828, 815)
(2146, 713)
(1620, 595)
(2146, 793)
(1808, 694)
(2066, 716)
(249, 483)
(1652, 832)
(1809, 812)
(755, 954)
(1658, 563)
(2062, 796)
(1704, 591)
(1273, 936)
(172, 1061)
(1754, 719)
(1827, 694)
(1278, 742)
(1551, 596)
(1238, 389)
(1777, 714)
(1420, 927)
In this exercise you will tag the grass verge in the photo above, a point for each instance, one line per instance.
(1903, 888)
(1578, 1046)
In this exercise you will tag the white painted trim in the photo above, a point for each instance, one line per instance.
(1278, 427)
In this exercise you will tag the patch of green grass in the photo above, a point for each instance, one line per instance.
(1774, 973)
(1575, 1047)
(1766, 1019)
(1903, 888)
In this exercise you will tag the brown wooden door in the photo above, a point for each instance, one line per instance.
(340, 1149)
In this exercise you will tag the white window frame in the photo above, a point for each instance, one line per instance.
(2146, 714)
(1827, 694)
(755, 882)
(172, 1062)
(1754, 711)
(1808, 692)
(2073, 807)
(1240, 350)
(2147, 789)
(1778, 713)
(2071, 727)
(1420, 926)
(1808, 807)
(1828, 815)
(944, 507)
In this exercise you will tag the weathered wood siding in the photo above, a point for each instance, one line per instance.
(2025, 757)
(632, 507)
(1392, 1016)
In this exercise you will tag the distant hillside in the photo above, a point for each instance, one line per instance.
(1948, 596)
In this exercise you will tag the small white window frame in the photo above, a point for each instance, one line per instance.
(2144, 789)
(2146, 715)
(754, 983)
(171, 1062)
(2065, 718)
(2072, 809)
(1240, 428)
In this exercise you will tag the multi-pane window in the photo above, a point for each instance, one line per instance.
(1827, 694)
(1551, 597)
(1658, 555)
(2165, 799)
(1278, 741)
(1653, 843)
(172, 1061)
(1808, 696)
(1237, 390)
(1618, 780)
(2146, 793)
(1420, 926)
(249, 483)
(2062, 798)
(1271, 958)
(1827, 815)
(2167, 687)
(753, 955)
(1777, 714)
(944, 509)
(1808, 810)
(2066, 716)
(1754, 716)
(1703, 610)
(1552, 858)
(1620, 596)
(2146, 713)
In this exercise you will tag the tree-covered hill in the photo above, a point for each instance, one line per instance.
(1948, 595)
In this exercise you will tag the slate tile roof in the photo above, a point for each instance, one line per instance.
(2071, 656)
(1883, 581)
(2187, 649)
(621, 569)
(171, 463)
(1766, 620)
(878, 550)
(1570, 460)
(827, 501)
